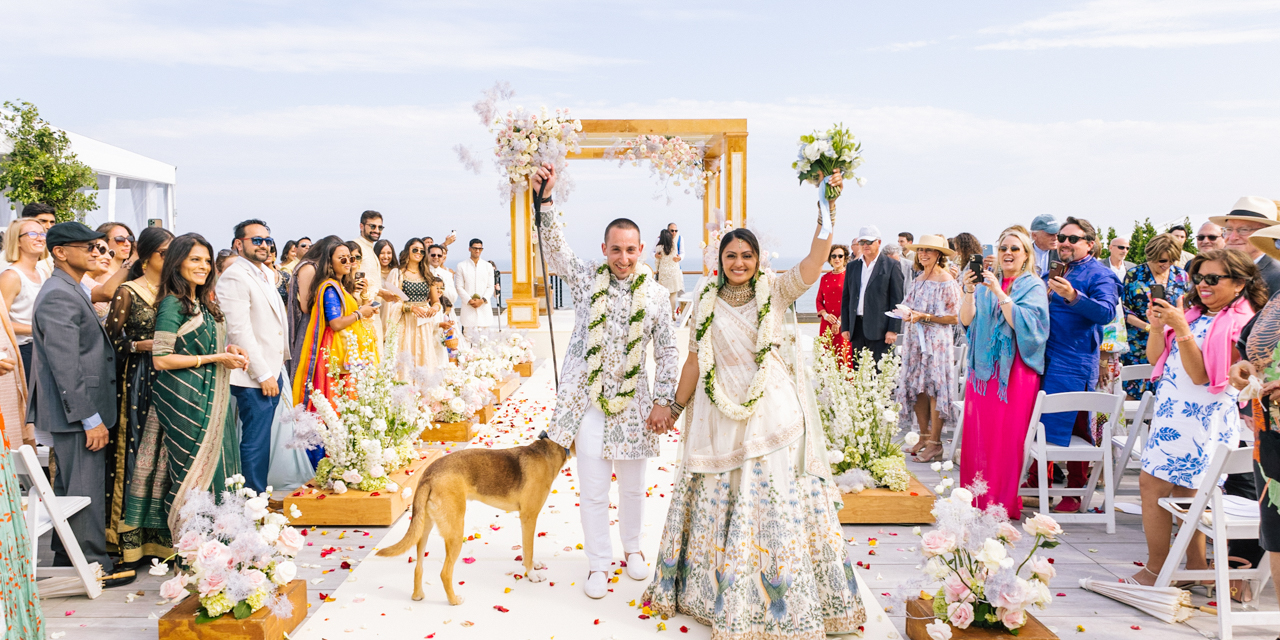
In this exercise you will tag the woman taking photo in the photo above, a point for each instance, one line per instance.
(668, 264)
(339, 332)
(830, 297)
(193, 383)
(138, 468)
(20, 282)
(1161, 269)
(1007, 316)
(926, 381)
(743, 512)
(418, 320)
(300, 289)
(1193, 345)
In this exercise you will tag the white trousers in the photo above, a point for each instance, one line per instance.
(594, 477)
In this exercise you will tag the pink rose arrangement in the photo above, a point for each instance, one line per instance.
(671, 160)
(232, 553)
(970, 553)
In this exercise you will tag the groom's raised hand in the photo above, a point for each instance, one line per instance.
(546, 173)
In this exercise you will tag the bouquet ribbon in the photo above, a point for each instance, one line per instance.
(824, 205)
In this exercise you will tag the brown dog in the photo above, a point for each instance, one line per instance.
(515, 479)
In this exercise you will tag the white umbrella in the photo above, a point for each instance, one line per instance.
(1169, 604)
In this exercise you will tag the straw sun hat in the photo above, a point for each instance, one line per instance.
(937, 243)
(1267, 240)
(1251, 209)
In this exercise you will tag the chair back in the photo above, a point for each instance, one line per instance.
(27, 467)
(1111, 404)
(1136, 372)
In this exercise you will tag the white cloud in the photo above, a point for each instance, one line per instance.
(384, 43)
(904, 46)
(1145, 24)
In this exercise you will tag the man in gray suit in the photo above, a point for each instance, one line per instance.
(73, 388)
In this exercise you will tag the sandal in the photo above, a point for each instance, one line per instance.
(1130, 579)
(937, 456)
(916, 449)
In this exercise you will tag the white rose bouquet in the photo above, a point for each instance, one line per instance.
(822, 153)
(523, 141)
(232, 554)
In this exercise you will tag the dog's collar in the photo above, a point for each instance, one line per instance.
(544, 436)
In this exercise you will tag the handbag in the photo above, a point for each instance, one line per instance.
(1115, 335)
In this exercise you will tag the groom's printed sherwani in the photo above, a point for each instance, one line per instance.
(625, 435)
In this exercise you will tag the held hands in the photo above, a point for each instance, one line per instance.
(545, 174)
(234, 358)
(659, 420)
(1062, 287)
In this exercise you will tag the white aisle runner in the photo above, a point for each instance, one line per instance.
(374, 601)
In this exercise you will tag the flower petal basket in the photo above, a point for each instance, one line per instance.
(180, 622)
(878, 505)
(358, 508)
(920, 614)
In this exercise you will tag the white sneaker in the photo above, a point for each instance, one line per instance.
(636, 568)
(597, 584)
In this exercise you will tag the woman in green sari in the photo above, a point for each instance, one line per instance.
(192, 386)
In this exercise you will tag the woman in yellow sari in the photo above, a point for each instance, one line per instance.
(339, 333)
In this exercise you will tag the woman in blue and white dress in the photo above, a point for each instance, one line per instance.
(1195, 407)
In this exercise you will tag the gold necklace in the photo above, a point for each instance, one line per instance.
(737, 294)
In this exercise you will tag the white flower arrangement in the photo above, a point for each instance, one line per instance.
(451, 394)
(515, 348)
(671, 159)
(765, 327)
(523, 141)
(825, 152)
(595, 343)
(860, 418)
(232, 554)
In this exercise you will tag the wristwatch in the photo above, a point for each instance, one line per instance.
(662, 403)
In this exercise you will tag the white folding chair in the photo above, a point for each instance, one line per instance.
(959, 371)
(1134, 372)
(689, 300)
(64, 580)
(1222, 518)
(1127, 448)
(1039, 449)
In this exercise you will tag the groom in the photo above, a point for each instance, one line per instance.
(604, 405)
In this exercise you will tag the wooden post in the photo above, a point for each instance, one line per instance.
(735, 175)
(522, 308)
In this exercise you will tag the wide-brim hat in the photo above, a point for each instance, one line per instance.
(1265, 240)
(1251, 209)
(937, 243)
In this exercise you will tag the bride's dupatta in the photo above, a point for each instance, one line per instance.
(323, 348)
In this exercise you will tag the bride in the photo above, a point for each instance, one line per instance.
(752, 545)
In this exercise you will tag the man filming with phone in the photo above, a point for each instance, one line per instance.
(1083, 294)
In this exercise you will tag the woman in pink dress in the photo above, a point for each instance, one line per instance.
(1008, 324)
(830, 295)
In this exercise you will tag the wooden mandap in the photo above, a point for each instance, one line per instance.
(725, 141)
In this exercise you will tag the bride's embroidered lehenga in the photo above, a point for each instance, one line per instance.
(752, 545)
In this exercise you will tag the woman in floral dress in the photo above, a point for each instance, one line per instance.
(752, 544)
(19, 600)
(926, 382)
(1195, 407)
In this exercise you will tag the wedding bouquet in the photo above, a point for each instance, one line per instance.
(825, 152)
(451, 393)
(232, 554)
(969, 553)
(670, 159)
(860, 418)
(368, 432)
(524, 141)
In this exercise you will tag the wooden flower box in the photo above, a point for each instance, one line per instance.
(882, 506)
(920, 614)
(324, 507)
(525, 369)
(486, 413)
(504, 389)
(449, 432)
(180, 622)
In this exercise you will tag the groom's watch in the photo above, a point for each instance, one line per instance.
(662, 403)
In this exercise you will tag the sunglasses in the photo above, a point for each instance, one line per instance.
(375, 227)
(1165, 261)
(258, 242)
(1062, 237)
(1211, 279)
(476, 247)
(836, 256)
(1122, 247)
(416, 252)
(867, 243)
(436, 255)
(120, 239)
(1010, 248)
(344, 260)
(1207, 237)
(91, 248)
(303, 247)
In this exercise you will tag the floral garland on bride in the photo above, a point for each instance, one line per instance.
(764, 344)
(595, 339)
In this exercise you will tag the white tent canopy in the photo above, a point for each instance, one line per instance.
(150, 184)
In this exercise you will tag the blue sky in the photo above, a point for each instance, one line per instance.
(973, 115)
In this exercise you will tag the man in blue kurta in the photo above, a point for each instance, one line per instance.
(1081, 302)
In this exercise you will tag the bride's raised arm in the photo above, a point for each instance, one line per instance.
(811, 265)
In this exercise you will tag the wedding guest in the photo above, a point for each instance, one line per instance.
(1081, 302)
(497, 288)
(138, 469)
(279, 277)
(13, 385)
(300, 289)
(73, 390)
(192, 386)
(829, 298)
(1007, 316)
(926, 381)
(20, 606)
(1117, 251)
(371, 228)
(289, 255)
(905, 239)
(966, 246)
(120, 241)
(99, 272)
(338, 329)
(47, 217)
(1209, 237)
(894, 251)
(1161, 269)
(668, 261)
(1195, 407)
(389, 280)
(20, 282)
(474, 281)
(1179, 233)
(435, 260)
(872, 286)
(1249, 215)
(225, 256)
(256, 322)
(1044, 229)
(420, 315)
